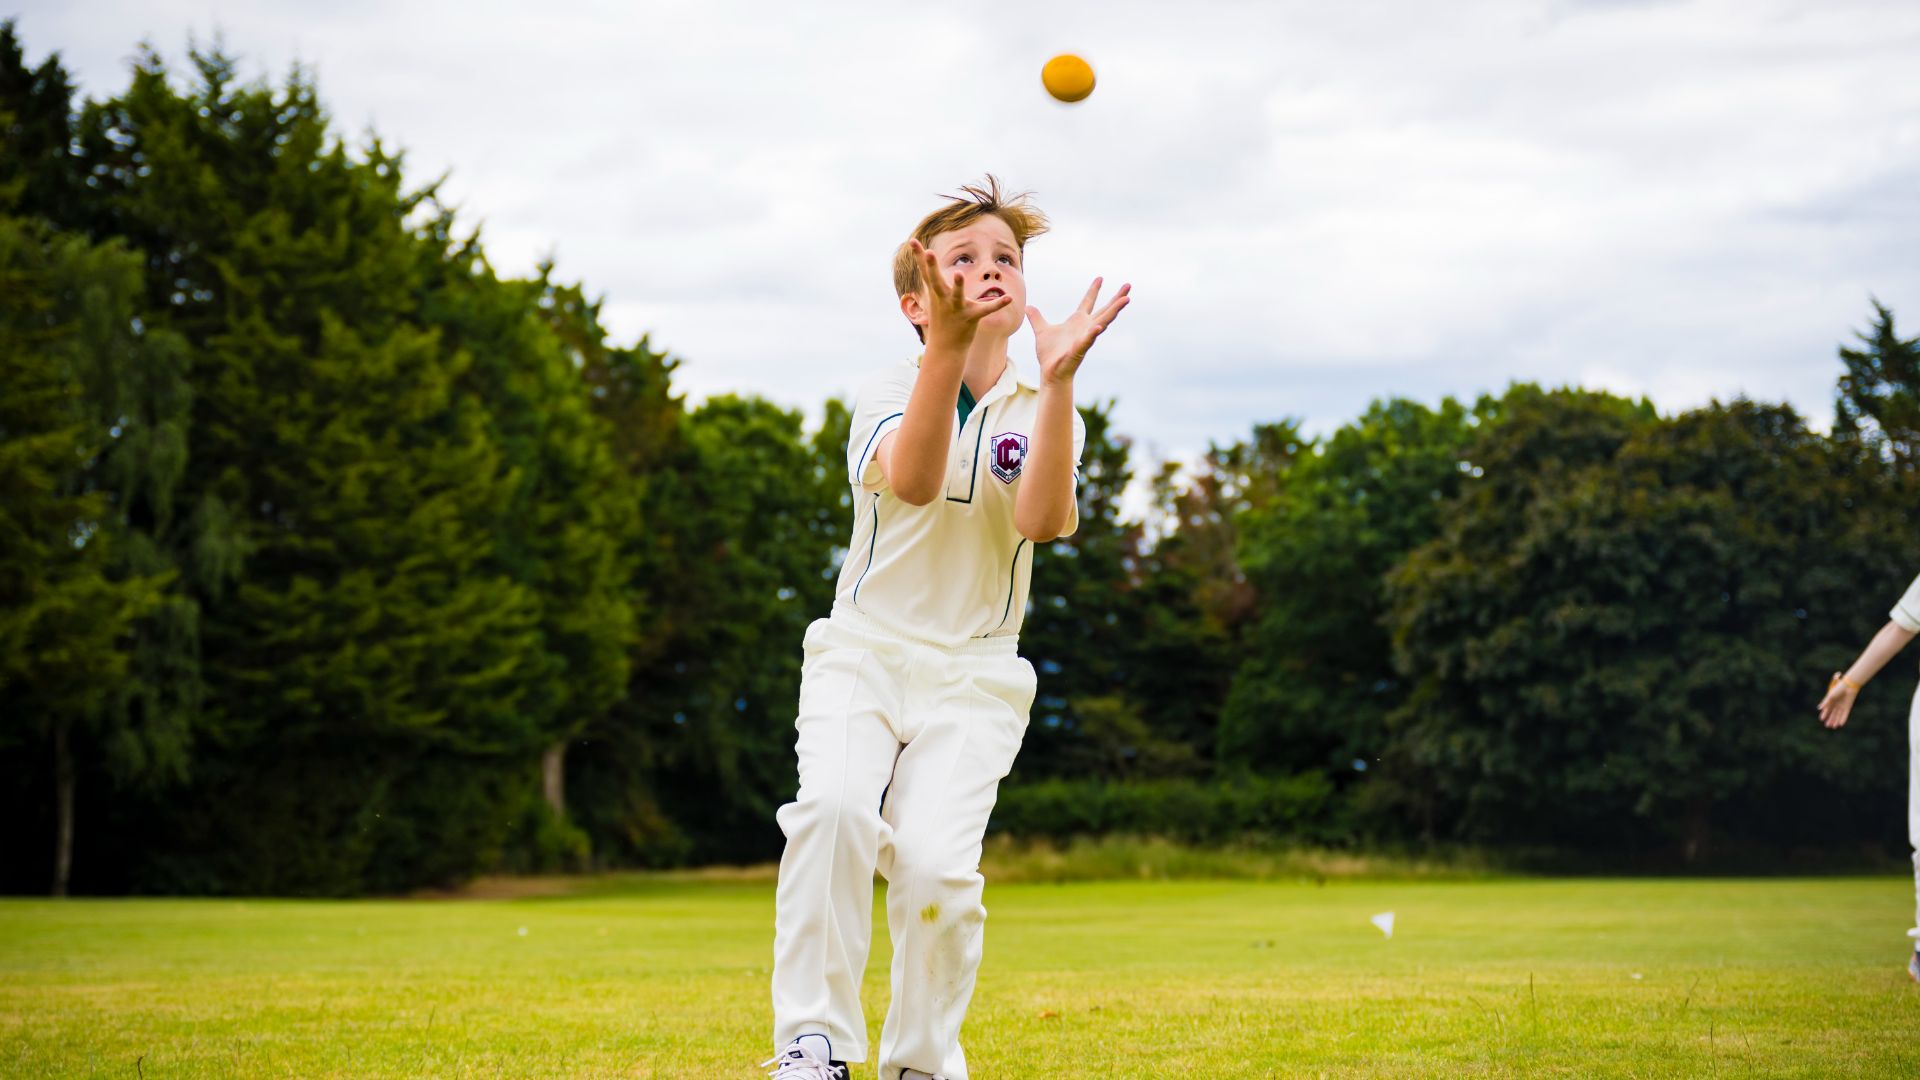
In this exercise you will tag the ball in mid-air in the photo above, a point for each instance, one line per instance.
(1067, 77)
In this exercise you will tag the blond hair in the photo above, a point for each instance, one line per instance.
(973, 203)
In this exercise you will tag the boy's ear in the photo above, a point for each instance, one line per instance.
(914, 308)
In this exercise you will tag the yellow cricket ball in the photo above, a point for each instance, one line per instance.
(1067, 77)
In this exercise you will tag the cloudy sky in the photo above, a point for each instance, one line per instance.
(1317, 204)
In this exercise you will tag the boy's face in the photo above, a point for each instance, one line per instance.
(983, 253)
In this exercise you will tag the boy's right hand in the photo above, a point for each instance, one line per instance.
(950, 315)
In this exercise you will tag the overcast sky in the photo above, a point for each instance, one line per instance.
(1317, 203)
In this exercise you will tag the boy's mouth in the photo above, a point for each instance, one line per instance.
(992, 294)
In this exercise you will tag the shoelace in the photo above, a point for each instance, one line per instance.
(798, 1063)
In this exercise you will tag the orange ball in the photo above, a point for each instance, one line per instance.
(1067, 77)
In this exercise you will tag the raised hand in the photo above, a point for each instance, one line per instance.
(1061, 346)
(949, 312)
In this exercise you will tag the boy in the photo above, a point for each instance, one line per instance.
(1841, 692)
(913, 698)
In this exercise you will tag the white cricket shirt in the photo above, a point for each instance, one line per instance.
(955, 569)
(1907, 611)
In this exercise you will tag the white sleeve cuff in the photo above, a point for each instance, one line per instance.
(1906, 610)
(865, 469)
(1906, 620)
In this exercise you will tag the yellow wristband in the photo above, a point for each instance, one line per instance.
(1839, 678)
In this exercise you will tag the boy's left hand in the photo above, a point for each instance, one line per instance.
(1061, 346)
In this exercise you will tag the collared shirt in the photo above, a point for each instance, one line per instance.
(1907, 611)
(956, 568)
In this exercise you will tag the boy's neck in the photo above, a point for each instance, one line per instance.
(986, 362)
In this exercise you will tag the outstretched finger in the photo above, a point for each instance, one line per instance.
(1093, 293)
(1114, 307)
(930, 272)
(1038, 320)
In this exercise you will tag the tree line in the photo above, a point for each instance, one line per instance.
(333, 561)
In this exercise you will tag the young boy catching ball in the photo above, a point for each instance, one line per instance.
(913, 695)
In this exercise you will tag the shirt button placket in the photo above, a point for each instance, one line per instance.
(957, 480)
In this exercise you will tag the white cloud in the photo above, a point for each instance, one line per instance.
(1317, 204)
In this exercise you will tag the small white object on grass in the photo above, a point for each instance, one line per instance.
(1384, 921)
(523, 931)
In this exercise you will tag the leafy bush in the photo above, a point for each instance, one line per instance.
(1195, 811)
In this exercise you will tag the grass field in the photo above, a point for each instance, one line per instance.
(653, 977)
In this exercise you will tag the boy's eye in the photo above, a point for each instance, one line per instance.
(1008, 259)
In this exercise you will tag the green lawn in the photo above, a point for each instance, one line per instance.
(659, 978)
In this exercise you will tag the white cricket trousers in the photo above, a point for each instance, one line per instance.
(932, 731)
(1913, 809)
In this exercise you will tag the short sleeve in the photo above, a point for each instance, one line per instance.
(878, 408)
(1079, 448)
(1907, 611)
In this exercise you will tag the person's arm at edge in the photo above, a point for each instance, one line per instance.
(1845, 687)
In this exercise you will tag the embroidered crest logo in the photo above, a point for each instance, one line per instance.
(1009, 453)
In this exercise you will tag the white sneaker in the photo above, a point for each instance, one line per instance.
(798, 1062)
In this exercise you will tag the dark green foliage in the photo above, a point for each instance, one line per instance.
(389, 818)
(610, 762)
(64, 313)
(1301, 808)
(35, 129)
(1078, 632)
(1625, 623)
(1447, 748)
(1318, 681)
(66, 612)
(750, 517)
(393, 516)
(120, 397)
(1877, 401)
(1129, 660)
(358, 487)
(350, 490)
(754, 510)
(1205, 513)
(569, 505)
(332, 561)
